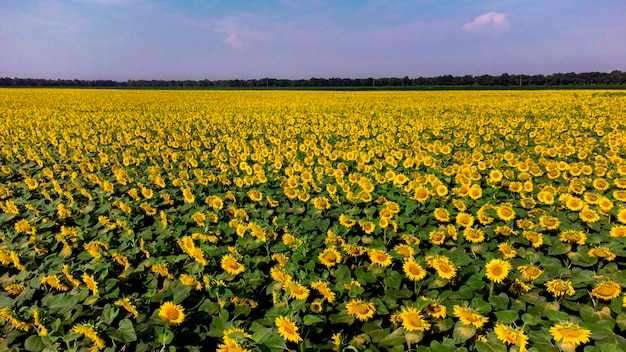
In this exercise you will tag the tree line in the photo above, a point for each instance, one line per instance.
(613, 78)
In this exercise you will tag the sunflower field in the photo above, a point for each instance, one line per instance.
(299, 220)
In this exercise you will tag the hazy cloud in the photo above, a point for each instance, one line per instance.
(488, 22)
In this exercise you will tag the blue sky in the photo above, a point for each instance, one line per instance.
(194, 39)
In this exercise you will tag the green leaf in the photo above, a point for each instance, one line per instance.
(621, 321)
(395, 338)
(499, 302)
(312, 319)
(34, 343)
(507, 316)
(109, 313)
(393, 280)
(462, 333)
(263, 335)
(557, 315)
(490, 346)
(529, 319)
(127, 330)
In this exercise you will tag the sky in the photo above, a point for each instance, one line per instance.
(243, 39)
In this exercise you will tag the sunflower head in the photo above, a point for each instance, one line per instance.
(172, 314)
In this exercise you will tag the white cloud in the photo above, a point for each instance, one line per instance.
(488, 22)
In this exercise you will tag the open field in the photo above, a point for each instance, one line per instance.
(267, 220)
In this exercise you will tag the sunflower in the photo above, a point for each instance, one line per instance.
(379, 257)
(91, 283)
(505, 212)
(621, 216)
(367, 226)
(474, 235)
(588, 215)
(498, 270)
(413, 270)
(297, 291)
(329, 257)
(573, 236)
(361, 310)
(618, 231)
(404, 250)
(495, 176)
(445, 268)
(171, 313)
(560, 287)
(530, 272)
(607, 290)
(324, 290)
(442, 215)
(519, 287)
(570, 333)
(601, 252)
(507, 251)
(127, 305)
(549, 222)
(511, 336)
(316, 306)
(436, 310)
(464, 220)
(188, 197)
(87, 331)
(468, 316)
(437, 237)
(346, 221)
(231, 266)
(574, 203)
(412, 320)
(287, 329)
(535, 238)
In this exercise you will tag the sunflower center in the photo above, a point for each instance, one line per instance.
(606, 290)
(414, 270)
(570, 332)
(172, 314)
(444, 268)
(496, 271)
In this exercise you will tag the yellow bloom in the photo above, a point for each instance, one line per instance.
(560, 287)
(90, 333)
(601, 252)
(53, 281)
(329, 257)
(468, 316)
(287, 329)
(505, 212)
(530, 272)
(43, 331)
(442, 215)
(297, 291)
(570, 333)
(127, 305)
(91, 283)
(607, 290)
(511, 336)
(231, 266)
(413, 270)
(171, 313)
(324, 290)
(15, 289)
(474, 235)
(379, 257)
(436, 310)
(7, 314)
(497, 270)
(361, 310)
(507, 251)
(412, 320)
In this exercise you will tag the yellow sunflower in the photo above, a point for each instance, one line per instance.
(437, 237)
(507, 251)
(379, 257)
(442, 215)
(560, 287)
(412, 320)
(549, 222)
(171, 313)
(361, 310)
(231, 266)
(436, 310)
(511, 336)
(519, 287)
(287, 329)
(413, 270)
(329, 257)
(474, 235)
(468, 316)
(607, 290)
(574, 203)
(464, 220)
(530, 272)
(601, 252)
(618, 231)
(445, 268)
(498, 270)
(535, 238)
(505, 212)
(588, 215)
(573, 236)
(91, 283)
(570, 333)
